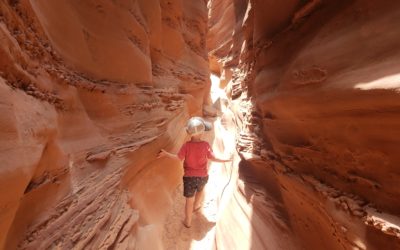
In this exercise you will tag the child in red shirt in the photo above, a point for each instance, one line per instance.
(195, 155)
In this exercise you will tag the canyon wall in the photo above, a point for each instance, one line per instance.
(315, 89)
(90, 92)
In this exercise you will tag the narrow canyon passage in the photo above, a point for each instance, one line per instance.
(218, 191)
(304, 93)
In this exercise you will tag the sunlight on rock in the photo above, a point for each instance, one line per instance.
(388, 82)
(216, 92)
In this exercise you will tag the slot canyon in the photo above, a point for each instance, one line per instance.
(305, 94)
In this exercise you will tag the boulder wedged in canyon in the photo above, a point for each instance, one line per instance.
(315, 89)
(90, 92)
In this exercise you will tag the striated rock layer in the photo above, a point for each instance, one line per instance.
(90, 91)
(315, 90)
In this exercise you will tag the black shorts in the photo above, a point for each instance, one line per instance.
(193, 184)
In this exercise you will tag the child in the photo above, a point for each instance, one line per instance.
(195, 154)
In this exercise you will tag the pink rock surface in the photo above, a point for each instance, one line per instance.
(315, 87)
(90, 92)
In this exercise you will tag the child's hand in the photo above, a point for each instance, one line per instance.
(162, 153)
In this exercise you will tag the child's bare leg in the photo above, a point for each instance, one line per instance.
(189, 211)
(198, 200)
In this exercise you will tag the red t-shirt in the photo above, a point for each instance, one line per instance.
(196, 155)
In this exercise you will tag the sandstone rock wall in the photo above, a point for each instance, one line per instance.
(315, 88)
(90, 91)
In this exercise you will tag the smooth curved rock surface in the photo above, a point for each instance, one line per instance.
(315, 87)
(90, 92)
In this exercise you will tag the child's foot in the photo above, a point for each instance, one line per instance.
(187, 225)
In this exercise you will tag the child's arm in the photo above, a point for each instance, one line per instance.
(211, 156)
(215, 159)
(167, 154)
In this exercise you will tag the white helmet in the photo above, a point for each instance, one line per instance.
(197, 125)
